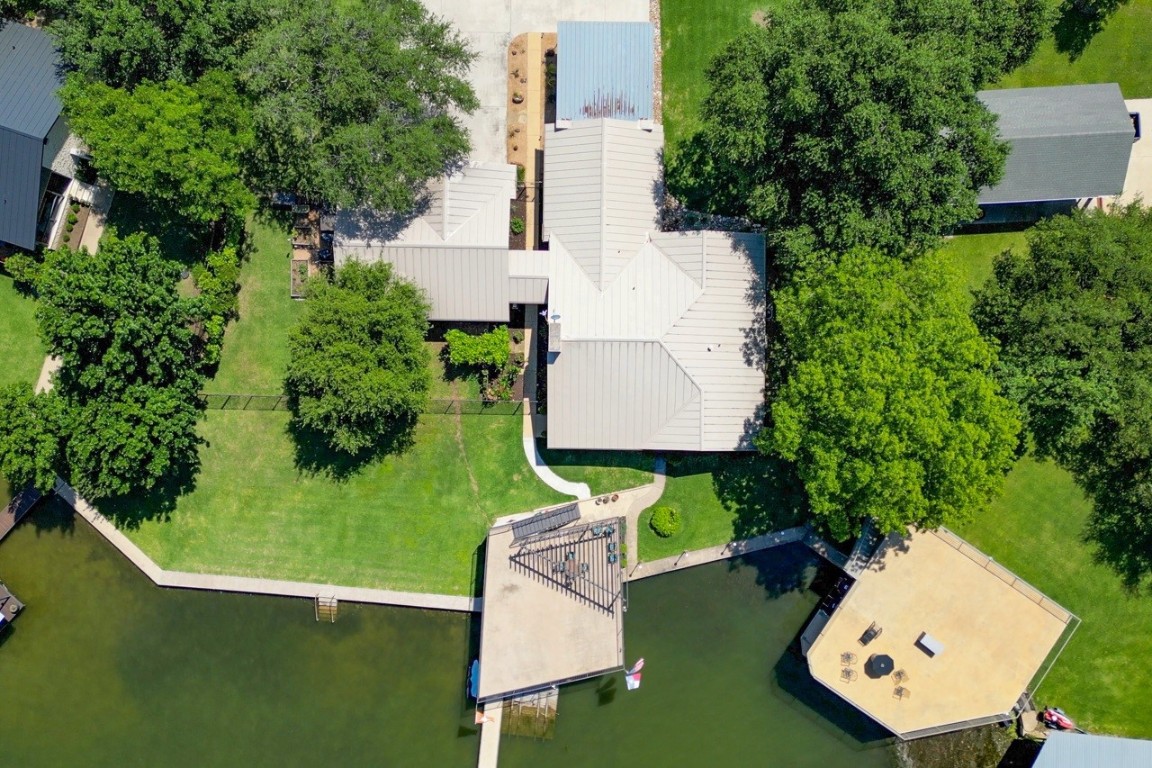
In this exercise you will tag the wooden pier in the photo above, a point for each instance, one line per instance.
(20, 505)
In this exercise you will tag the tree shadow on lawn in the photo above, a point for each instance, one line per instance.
(130, 511)
(314, 458)
(1075, 29)
(764, 493)
(1120, 528)
(179, 241)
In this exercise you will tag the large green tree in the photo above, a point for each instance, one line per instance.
(888, 407)
(355, 103)
(180, 145)
(358, 373)
(1074, 320)
(31, 429)
(836, 128)
(123, 43)
(131, 367)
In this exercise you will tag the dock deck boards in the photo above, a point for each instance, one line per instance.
(16, 509)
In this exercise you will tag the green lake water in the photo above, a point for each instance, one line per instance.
(105, 669)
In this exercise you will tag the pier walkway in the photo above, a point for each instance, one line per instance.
(690, 558)
(490, 735)
(19, 506)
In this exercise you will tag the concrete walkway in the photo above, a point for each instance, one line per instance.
(550, 478)
(47, 371)
(691, 558)
(490, 734)
(215, 583)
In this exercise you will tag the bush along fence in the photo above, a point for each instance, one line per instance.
(222, 402)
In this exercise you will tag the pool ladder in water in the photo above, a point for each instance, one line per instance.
(326, 608)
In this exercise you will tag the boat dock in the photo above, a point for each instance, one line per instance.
(20, 505)
(10, 605)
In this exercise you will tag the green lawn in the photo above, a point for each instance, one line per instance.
(973, 255)
(1118, 53)
(408, 522)
(1036, 529)
(21, 354)
(722, 497)
(692, 32)
(604, 471)
(255, 352)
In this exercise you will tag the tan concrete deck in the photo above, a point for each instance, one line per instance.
(995, 629)
(535, 632)
(1138, 183)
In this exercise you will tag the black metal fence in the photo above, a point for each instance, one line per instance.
(223, 402)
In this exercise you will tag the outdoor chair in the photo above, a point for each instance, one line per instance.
(899, 676)
(847, 659)
(847, 675)
(870, 634)
(901, 693)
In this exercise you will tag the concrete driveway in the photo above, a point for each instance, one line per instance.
(1138, 183)
(489, 26)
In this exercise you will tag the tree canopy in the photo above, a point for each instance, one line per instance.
(179, 144)
(1074, 320)
(354, 103)
(31, 428)
(123, 43)
(358, 373)
(888, 406)
(844, 127)
(131, 372)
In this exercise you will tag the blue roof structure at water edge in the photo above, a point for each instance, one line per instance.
(604, 69)
(1077, 750)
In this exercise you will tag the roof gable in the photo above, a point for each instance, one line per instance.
(29, 79)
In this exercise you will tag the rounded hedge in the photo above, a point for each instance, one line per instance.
(665, 522)
(516, 225)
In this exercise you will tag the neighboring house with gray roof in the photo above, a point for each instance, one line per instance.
(35, 146)
(1081, 750)
(1067, 143)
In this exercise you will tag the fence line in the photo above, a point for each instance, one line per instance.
(438, 406)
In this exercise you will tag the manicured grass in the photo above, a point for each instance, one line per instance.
(1118, 53)
(256, 346)
(21, 354)
(410, 522)
(974, 255)
(604, 471)
(1036, 529)
(722, 497)
(692, 32)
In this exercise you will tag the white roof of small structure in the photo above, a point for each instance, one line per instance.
(455, 247)
(661, 334)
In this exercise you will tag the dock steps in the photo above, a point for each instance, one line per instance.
(327, 608)
(533, 715)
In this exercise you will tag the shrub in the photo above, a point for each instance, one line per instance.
(24, 269)
(75, 207)
(66, 238)
(665, 522)
(516, 225)
(72, 218)
(517, 336)
(489, 349)
(519, 174)
(69, 227)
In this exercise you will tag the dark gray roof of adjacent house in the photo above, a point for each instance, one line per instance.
(1067, 142)
(29, 107)
(1077, 750)
(604, 69)
(29, 77)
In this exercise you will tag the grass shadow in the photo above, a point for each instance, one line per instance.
(764, 492)
(179, 241)
(314, 457)
(131, 510)
(1075, 28)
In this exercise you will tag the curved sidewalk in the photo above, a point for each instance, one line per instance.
(542, 470)
(179, 579)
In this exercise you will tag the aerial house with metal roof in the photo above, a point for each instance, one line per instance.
(36, 151)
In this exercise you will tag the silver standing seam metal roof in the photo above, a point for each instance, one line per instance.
(455, 247)
(1080, 750)
(1067, 142)
(29, 107)
(661, 332)
(604, 69)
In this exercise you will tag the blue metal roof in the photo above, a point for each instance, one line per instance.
(604, 69)
(29, 77)
(1075, 750)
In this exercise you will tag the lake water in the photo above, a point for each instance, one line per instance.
(105, 669)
